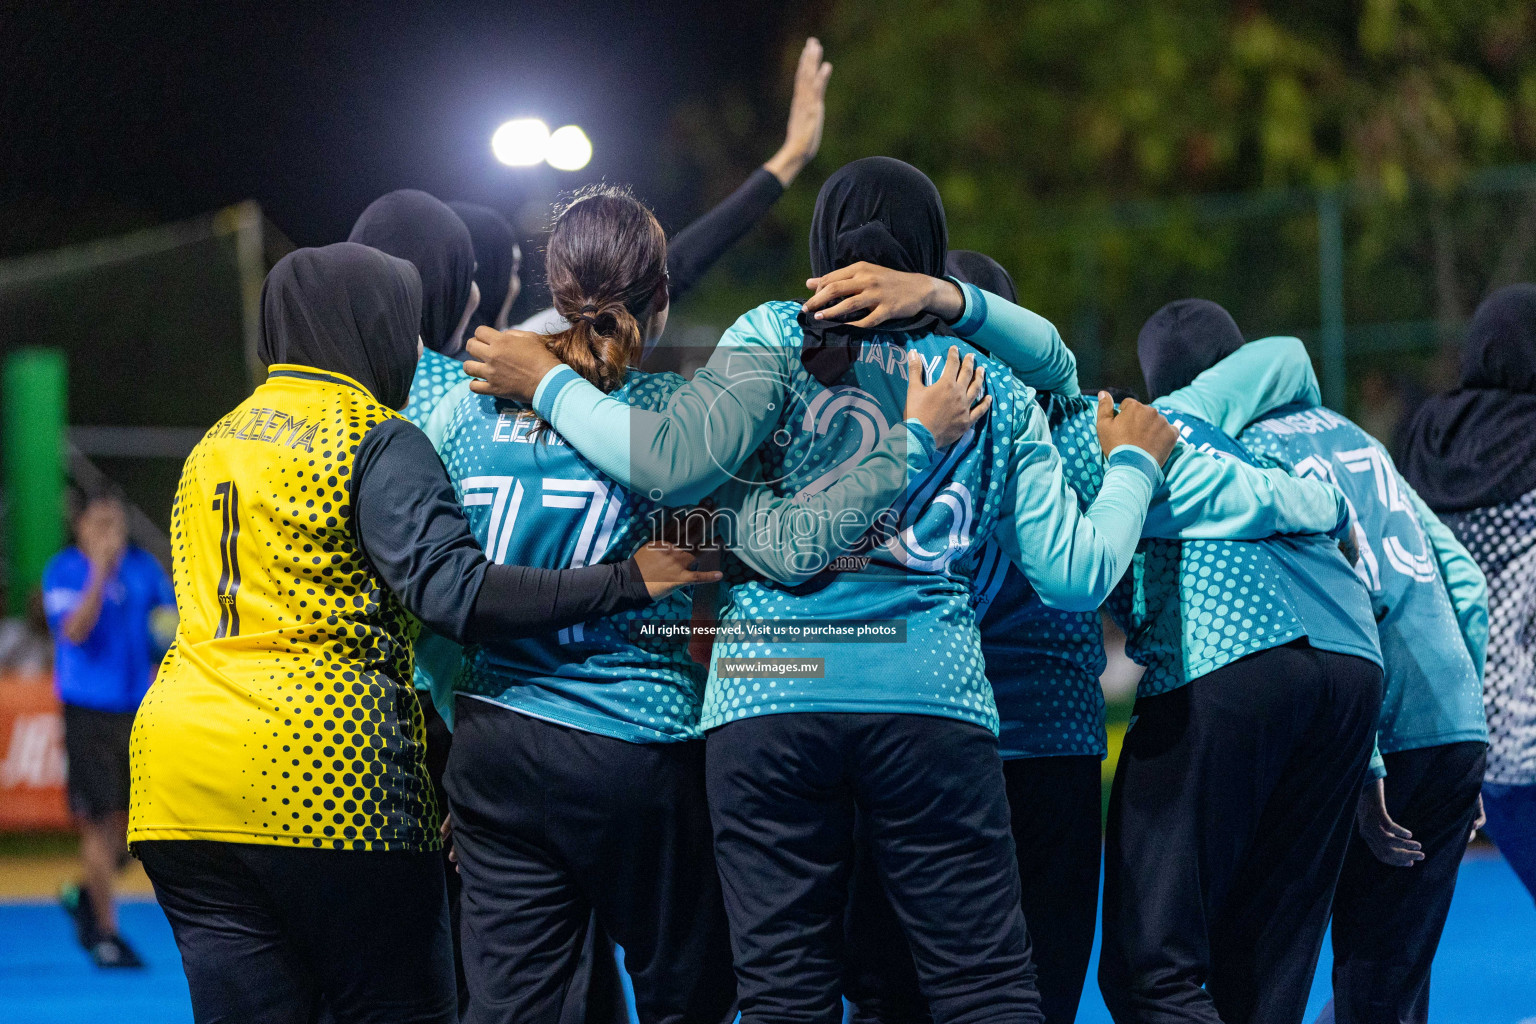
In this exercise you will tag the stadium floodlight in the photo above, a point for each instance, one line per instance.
(522, 142)
(569, 149)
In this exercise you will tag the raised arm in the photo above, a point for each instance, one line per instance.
(696, 248)
(692, 251)
(1074, 559)
(103, 541)
(84, 606)
(1249, 384)
(1210, 498)
(1464, 579)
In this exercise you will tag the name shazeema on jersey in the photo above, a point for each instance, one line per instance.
(273, 426)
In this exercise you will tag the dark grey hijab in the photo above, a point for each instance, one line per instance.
(983, 271)
(348, 309)
(876, 210)
(415, 226)
(1476, 447)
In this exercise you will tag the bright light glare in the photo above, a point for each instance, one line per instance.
(569, 149)
(522, 143)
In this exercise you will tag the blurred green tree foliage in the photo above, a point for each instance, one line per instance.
(1041, 120)
(1117, 98)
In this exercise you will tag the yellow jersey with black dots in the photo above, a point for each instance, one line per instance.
(284, 712)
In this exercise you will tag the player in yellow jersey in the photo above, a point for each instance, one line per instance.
(279, 800)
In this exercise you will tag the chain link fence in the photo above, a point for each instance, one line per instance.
(1379, 287)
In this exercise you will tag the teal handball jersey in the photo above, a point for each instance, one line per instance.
(1193, 606)
(1044, 662)
(1044, 665)
(918, 577)
(1433, 691)
(436, 375)
(532, 500)
(832, 450)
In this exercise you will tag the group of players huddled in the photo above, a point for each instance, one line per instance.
(466, 535)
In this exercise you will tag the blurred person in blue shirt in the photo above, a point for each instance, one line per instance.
(112, 613)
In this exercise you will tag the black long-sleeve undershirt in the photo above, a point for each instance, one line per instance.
(696, 248)
(413, 530)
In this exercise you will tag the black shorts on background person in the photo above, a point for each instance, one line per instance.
(96, 750)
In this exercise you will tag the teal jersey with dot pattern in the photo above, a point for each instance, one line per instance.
(1433, 692)
(1045, 663)
(436, 375)
(920, 576)
(1193, 606)
(532, 500)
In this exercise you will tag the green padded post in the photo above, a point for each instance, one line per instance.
(32, 408)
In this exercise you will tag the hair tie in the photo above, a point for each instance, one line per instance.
(587, 314)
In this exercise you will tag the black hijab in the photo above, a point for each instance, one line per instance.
(1183, 339)
(982, 271)
(417, 227)
(495, 248)
(348, 309)
(877, 210)
(1476, 446)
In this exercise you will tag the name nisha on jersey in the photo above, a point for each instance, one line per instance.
(270, 425)
(1308, 421)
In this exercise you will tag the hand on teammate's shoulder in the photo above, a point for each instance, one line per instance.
(508, 364)
(1135, 424)
(949, 405)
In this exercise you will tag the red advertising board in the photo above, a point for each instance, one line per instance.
(31, 756)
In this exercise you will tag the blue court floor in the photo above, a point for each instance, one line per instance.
(1485, 972)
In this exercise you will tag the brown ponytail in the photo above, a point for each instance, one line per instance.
(607, 267)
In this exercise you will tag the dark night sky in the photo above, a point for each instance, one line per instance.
(118, 114)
